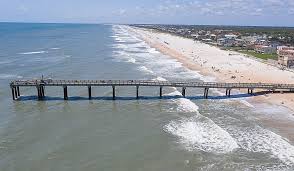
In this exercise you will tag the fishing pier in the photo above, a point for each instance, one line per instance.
(41, 84)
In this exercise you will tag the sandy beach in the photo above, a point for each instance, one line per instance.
(229, 66)
(224, 66)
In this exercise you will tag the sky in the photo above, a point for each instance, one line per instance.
(193, 12)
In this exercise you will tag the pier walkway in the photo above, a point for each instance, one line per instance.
(41, 84)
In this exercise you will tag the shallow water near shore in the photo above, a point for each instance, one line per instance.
(172, 133)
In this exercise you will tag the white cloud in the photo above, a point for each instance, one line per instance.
(23, 8)
(205, 11)
(122, 11)
(229, 7)
(290, 3)
(291, 11)
(273, 2)
(257, 12)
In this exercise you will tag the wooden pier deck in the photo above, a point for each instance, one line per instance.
(41, 84)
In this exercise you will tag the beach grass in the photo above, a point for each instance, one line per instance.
(263, 56)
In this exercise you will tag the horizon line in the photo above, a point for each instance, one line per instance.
(170, 24)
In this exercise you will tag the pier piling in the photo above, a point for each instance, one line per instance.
(113, 92)
(184, 91)
(13, 93)
(206, 90)
(160, 92)
(65, 95)
(43, 91)
(137, 92)
(90, 92)
(18, 92)
(39, 92)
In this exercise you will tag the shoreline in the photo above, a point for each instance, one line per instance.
(220, 64)
(219, 72)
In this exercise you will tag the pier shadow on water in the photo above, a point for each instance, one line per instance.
(198, 97)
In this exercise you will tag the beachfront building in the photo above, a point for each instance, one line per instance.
(199, 37)
(228, 40)
(225, 42)
(249, 39)
(286, 56)
(231, 36)
(240, 43)
(265, 49)
(207, 40)
(213, 37)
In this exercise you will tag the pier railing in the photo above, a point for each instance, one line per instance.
(41, 84)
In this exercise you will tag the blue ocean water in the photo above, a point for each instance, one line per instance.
(127, 134)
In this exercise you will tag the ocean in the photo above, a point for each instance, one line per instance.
(173, 133)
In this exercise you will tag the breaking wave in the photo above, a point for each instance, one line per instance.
(10, 76)
(199, 132)
(32, 53)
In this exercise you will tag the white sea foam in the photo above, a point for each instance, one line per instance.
(120, 46)
(126, 39)
(118, 39)
(183, 104)
(188, 74)
(5, 62)
(264, 141)
(137, 47)
(153, 50)
(55, 48)
(145, 69)
(132, 60)
(129, 48)
(274, 111)
(10, 76)
(271, 109)
(246, 103)
(122, 56)
(207, 78)
(240, 100)
(200, 133)
(32, 53)
(159, 79)
(186, 105)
